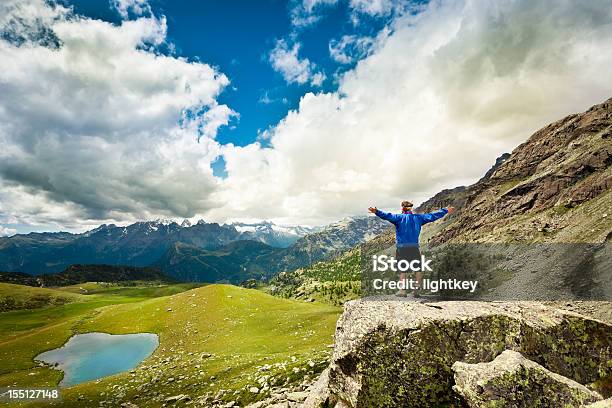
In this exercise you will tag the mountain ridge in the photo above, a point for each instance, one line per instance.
(542, 191)
(189, 252)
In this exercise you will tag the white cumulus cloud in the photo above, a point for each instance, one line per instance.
(7, 232)
(373, 7)
(138, 7)
(285, 60)
(96, 126)
(450, 89)
(304, 13)
(93, 126)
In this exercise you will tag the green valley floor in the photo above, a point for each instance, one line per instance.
(215, 340)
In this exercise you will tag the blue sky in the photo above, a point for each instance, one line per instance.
(300, 112)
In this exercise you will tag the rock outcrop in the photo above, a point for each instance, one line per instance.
(319, 392)
(401, 354)
(513, 380)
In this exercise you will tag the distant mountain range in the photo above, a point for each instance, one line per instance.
(207, 252)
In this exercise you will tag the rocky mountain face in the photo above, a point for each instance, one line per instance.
(555, 187)
(138, 244)
(544, 211)
(345, 233)
(242, 260)
(234, 263)
(331, 241)
(465, 354)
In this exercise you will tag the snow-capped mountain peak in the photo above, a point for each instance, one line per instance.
(163, 221)
(103, 227)
(270, 233)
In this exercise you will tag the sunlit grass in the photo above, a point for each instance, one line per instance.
(241, 329)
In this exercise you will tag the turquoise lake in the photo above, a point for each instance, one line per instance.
(90, 356)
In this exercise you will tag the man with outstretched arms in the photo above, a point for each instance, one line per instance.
(407, 230)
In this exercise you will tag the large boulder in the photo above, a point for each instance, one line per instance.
(319, 393)
(511, 380)
(400, 354)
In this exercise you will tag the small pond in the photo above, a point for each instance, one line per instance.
(90, 356)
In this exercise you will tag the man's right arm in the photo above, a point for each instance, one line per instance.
(393, 218)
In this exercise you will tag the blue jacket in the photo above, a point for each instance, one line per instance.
(408, 226)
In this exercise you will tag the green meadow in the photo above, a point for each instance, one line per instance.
(215, 340)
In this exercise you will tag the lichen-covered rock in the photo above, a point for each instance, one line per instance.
(600, 404)
(318, 396)
(400, 354)
(511, 380)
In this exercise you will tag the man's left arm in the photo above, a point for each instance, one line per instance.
(392, 218)
(436, 215)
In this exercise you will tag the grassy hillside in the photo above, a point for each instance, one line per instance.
(332, 282)
(234, 262)
(17, 323)
(132, 289)
(211, 338)
(14, 297)
(75, 274)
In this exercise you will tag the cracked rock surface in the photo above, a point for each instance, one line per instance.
(513, 380)
(400, 354)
